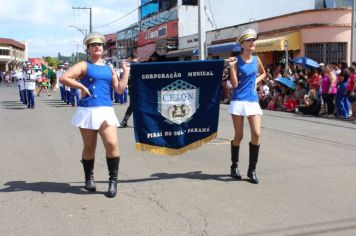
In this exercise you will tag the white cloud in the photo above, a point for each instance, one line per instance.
(43, 24)
(53, 45)
(36, 12)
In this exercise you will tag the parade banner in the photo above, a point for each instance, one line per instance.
(175, 104)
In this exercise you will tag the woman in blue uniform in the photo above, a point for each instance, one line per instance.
(342, 102)
(95, 114)
(246, 71)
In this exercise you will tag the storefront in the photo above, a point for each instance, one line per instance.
(322, 34)
(271, 48)
(157, 41)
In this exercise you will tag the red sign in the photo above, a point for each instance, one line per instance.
(163, 31)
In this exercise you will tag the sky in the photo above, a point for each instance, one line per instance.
(47, 25)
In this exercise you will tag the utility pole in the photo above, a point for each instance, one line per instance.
(201, 27)
(90, 18)
(352, 33)
(286, 61)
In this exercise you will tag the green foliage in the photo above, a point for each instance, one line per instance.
(72, 59)
(52, 62)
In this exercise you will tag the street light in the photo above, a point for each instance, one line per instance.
(83, 31)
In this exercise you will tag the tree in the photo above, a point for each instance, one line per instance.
(82, 56)
(59, 56)
(52, 62)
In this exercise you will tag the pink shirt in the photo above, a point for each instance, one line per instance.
(325, 84)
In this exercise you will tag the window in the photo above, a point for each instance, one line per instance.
(5, 52)
(315, 51)
(326, 52)
(335, 52)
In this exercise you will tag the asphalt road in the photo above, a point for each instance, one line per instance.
(306, 171)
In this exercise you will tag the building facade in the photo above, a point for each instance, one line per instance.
(158, 29)
(321, 34)
(168, 29)
(126, 41)
(12, 54)
(110, 49)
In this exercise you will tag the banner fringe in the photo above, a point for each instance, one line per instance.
(171, 151)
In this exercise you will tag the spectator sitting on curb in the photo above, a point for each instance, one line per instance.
(290, 103)
(312, 104)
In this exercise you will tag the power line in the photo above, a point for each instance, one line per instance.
(90, 18)
(120, 18)
(212, 15)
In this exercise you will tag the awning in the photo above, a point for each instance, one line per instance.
(212, 49)
(224, 48)
(221, 48)
(181, 52)
(277, 43)
(146, 51)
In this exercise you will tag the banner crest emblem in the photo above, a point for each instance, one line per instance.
(178, 101)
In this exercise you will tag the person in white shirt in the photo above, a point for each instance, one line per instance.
(20, 83)
(67, 94)
(30, 78)
(59, 73)
(266, 90)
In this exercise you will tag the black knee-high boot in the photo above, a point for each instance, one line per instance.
(235, 159)
(113, 167)
(88, 166)
(251, 173)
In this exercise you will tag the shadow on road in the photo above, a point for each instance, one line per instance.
(13, 105)
(55, 103)
(195, 175)
(44, 187)
(53, 187)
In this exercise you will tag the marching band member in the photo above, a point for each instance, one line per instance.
(95, 113)
(67, 94)
(59, 73)
(20, 82)
(246, 71)
(30, 78)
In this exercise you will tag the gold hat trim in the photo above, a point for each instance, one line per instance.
(94, 40)
(247, 36)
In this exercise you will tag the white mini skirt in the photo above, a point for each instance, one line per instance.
(94, 117)
(243, 108)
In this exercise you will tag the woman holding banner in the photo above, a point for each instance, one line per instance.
(95, 114)
(246, 71)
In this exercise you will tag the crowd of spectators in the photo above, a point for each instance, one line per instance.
(327, 91)
(7, 77)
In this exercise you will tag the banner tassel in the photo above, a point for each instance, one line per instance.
(174, 152)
